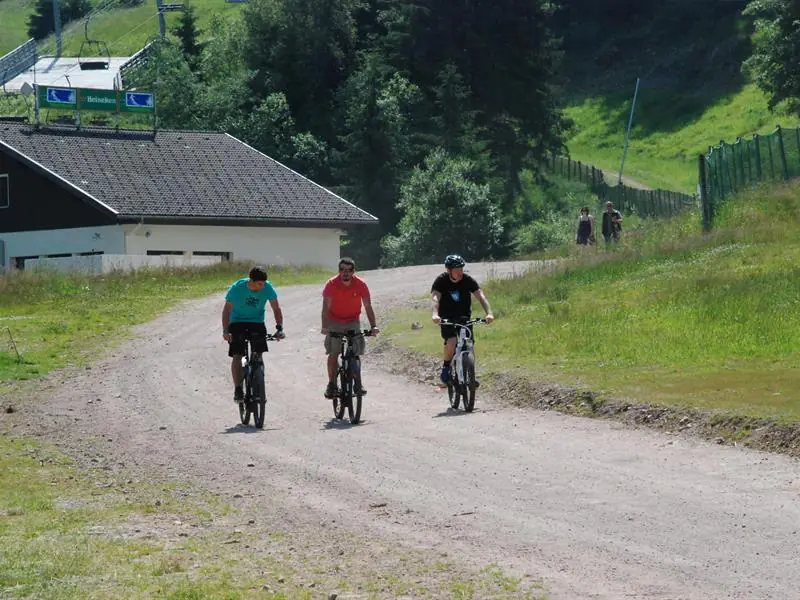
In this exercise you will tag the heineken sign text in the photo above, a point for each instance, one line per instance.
(102, 100)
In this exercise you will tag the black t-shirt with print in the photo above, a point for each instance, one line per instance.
(456, 300)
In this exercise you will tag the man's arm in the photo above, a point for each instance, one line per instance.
(485, 304)
(226, 320)
(277, 313)
(326, 310)
(435, 297)
(370, 313)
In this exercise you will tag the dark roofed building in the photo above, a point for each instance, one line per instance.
(70, 192)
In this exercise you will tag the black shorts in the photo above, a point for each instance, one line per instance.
(256, 333)
(451, 331)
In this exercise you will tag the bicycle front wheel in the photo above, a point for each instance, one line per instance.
(470, 386)
(258, 399)
(453, 394)
(339, 401)
(244, 405)
(354, 408)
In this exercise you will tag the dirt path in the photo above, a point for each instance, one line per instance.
(595, 509)
(611, 176)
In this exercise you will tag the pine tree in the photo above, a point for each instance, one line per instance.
(188, 35)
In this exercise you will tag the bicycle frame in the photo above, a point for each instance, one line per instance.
(346, 375)
(465, 345)
(252, 403)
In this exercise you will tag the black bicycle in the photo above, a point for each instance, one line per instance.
(349, 364)
(255, 394)
(462, 386)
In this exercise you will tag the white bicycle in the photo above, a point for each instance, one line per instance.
(462, 385)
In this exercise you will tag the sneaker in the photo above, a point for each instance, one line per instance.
(331, 391)
(360, 390)
(444, 376)
(238, 395)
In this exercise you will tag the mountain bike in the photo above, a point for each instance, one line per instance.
(255, 395)
(349, 365)
(462, 385)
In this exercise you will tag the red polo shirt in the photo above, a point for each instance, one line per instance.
(345, 300)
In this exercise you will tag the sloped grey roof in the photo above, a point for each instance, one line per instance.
(181, 175)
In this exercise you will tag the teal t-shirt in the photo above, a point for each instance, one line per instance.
(248, 306)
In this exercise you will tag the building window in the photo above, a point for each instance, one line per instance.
(164, 252)
(92, 253)
(5, 192)
(225, 256)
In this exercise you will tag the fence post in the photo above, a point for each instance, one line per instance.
(757, 140)
(734, 175)
(749, 165)
(783, 152)
(742, 180)
(705, 205)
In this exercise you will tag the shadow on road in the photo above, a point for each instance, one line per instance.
(451, 413)
(246, 429)
(340, 424)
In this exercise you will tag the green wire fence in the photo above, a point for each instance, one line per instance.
(647, 203)
(730, 168)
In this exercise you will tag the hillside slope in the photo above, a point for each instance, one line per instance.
(693, 93)
(125, 30)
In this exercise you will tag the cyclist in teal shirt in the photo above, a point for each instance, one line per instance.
(243, 319)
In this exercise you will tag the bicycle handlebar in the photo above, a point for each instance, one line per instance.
(460, 324)
(351, 333)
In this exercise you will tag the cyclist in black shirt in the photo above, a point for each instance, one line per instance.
(451, 294)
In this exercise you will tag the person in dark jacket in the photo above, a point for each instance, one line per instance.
(612, 223)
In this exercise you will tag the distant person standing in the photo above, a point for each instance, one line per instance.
(585, 228)
(612, 223)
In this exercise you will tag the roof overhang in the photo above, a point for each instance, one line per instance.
(240, 222)
(58, 180)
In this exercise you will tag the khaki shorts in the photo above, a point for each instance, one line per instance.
(334, 345)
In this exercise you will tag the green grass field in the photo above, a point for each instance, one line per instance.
(125, 30)
(73, 534)
(672, 317)
(665, 143)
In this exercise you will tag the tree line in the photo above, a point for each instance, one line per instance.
(425, 113)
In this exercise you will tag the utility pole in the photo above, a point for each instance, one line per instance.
(628, 132)
(161, 22)
(57, 23)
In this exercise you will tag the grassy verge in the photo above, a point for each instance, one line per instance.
(67, 533)
(664, 146)
(54, 320)
(671, 317)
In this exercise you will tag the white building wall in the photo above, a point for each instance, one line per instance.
(106, 263)
(109, 239)
(296, 246)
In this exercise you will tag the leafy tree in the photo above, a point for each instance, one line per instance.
(775, 63)
(376, 143)
(188, 34)
(444, 211)
(504, 59)
(168, 75)
(269, 128)
(304, 49)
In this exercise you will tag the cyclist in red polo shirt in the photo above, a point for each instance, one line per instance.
(341, 310)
